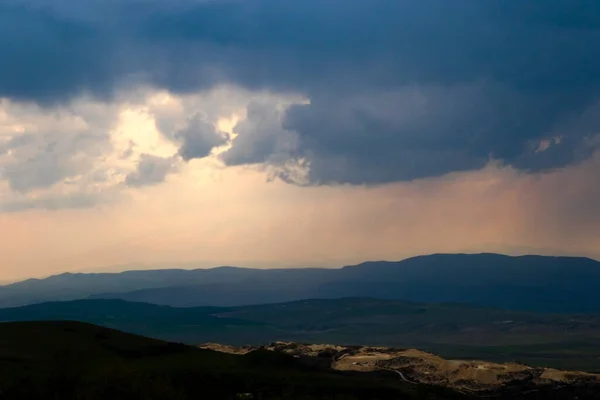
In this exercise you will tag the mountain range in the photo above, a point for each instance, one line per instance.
(526, 283)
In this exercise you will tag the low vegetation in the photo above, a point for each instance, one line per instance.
(69, 360)
(451, 330)
(72, 360)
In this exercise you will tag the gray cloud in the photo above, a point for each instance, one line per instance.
(399, 89)
(151, 170)
(261, 137)
(423, 131)
(59, 157)
(38, 161)
(198, 138)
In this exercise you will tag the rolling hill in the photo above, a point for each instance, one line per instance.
(72, 360)
(72, 286)
(452, 330)
(527, 283)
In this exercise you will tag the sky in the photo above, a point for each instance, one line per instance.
(297, 133)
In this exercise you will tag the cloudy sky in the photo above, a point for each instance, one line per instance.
(292, 133)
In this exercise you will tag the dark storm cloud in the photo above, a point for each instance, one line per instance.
(48, 59)
(198, 138)
(399, 89)
(260, 137)
(426, 131)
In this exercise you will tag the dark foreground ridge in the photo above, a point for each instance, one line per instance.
(72, 360)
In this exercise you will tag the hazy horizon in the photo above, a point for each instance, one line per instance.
(301, 133)
(116, 269)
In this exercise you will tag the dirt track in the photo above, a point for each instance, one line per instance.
(415, 366)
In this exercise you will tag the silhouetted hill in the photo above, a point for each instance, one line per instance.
(71, 360)
(453, 330)
(70, 286)
(531, 283)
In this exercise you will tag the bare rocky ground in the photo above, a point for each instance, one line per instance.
(415, 366)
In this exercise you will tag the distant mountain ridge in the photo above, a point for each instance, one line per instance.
(530, 283)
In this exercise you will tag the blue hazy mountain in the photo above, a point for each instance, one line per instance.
(530, 283)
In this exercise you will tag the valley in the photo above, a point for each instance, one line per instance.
(562, 341)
